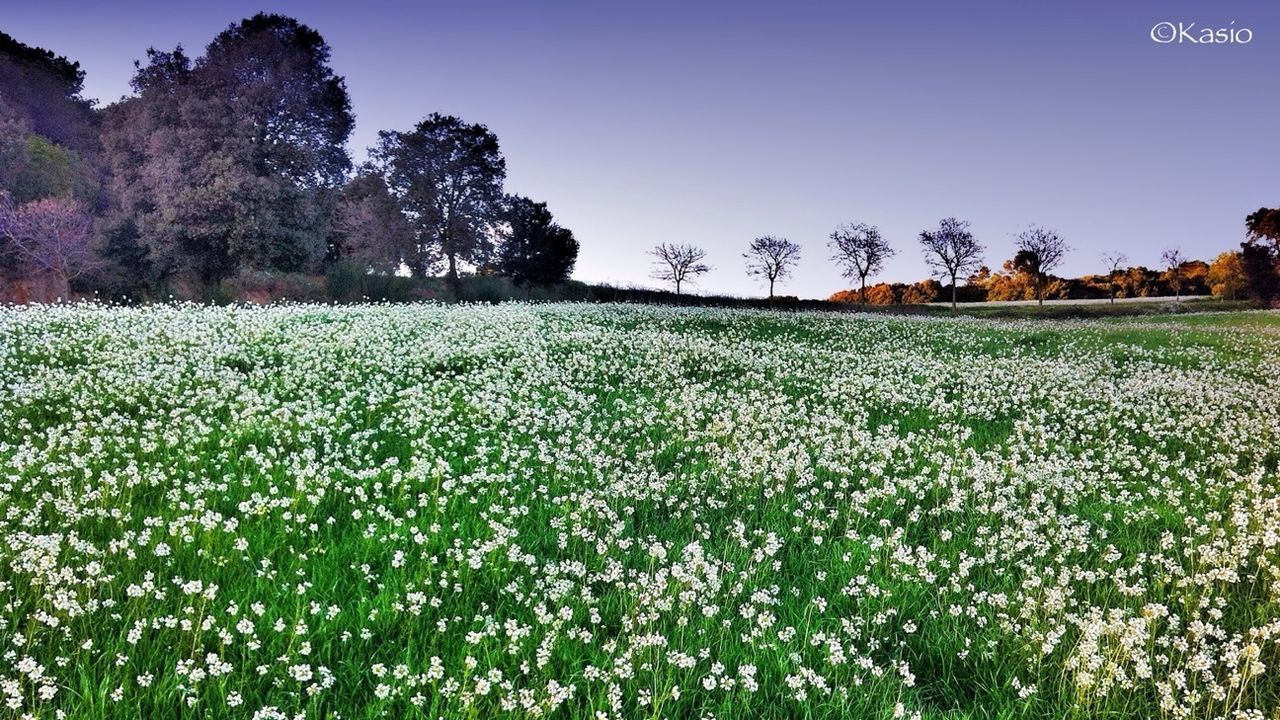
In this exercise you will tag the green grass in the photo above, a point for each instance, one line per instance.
(781, 515)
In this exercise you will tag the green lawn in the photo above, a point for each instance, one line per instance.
(627, 512)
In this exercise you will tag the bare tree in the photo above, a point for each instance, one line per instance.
(48, 238)
(771, 258)
(1113, 261)
(951, 250)
(1040, 250)
(1173, 260)
(861, 251)
(677, 263)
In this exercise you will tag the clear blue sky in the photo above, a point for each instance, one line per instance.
(714, 122)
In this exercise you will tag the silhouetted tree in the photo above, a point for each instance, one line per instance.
(232, 161)
(1114, 262)
(677, 263)
(771, 258)
(1173, 260)
(1264, 224)
(535, 250)
(1040, 250)
(860, 251)
(951, 250)
(447, 175)
(1260, 255)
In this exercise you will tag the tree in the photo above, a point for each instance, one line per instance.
(1114, 261)
(861, 251)
(1040, 250)
(369, 229)
(951, 250)
(41, 92)
(48, 238)
(1173, 260)
(447, 175)
(923, 292)
(677, 263)
(1226, 275)
(1264, 224)
(233, 161)
(771, 258)
(535, 250)
(1260, 255)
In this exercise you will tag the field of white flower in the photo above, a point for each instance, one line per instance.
(624, 512)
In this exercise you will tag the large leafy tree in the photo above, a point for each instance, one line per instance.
(535, 249)
(41, 92)
(447, 175)
(232, 161)
(48, 131)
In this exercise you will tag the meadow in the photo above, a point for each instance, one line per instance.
(608, 511)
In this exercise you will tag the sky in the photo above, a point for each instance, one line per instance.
(712, 123)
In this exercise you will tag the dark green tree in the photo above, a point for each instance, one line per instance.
(233, 161)
(447, 175)
(1260, 255)
(42, 92)
(535, 250)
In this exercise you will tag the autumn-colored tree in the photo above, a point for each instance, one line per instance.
(925, 291)
(1226, 276)
(1012, 282)
(879, 294)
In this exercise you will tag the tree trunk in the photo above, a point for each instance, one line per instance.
(1039, 292)
(953, 293)
(771, 291)
(677, 287)
(454, 281)
(862, 296)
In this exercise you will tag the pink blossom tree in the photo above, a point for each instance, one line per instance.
(48, 238)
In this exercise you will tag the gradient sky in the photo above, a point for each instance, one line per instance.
(715, 122)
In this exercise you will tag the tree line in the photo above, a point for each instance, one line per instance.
(955, 256)
(236, 161)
